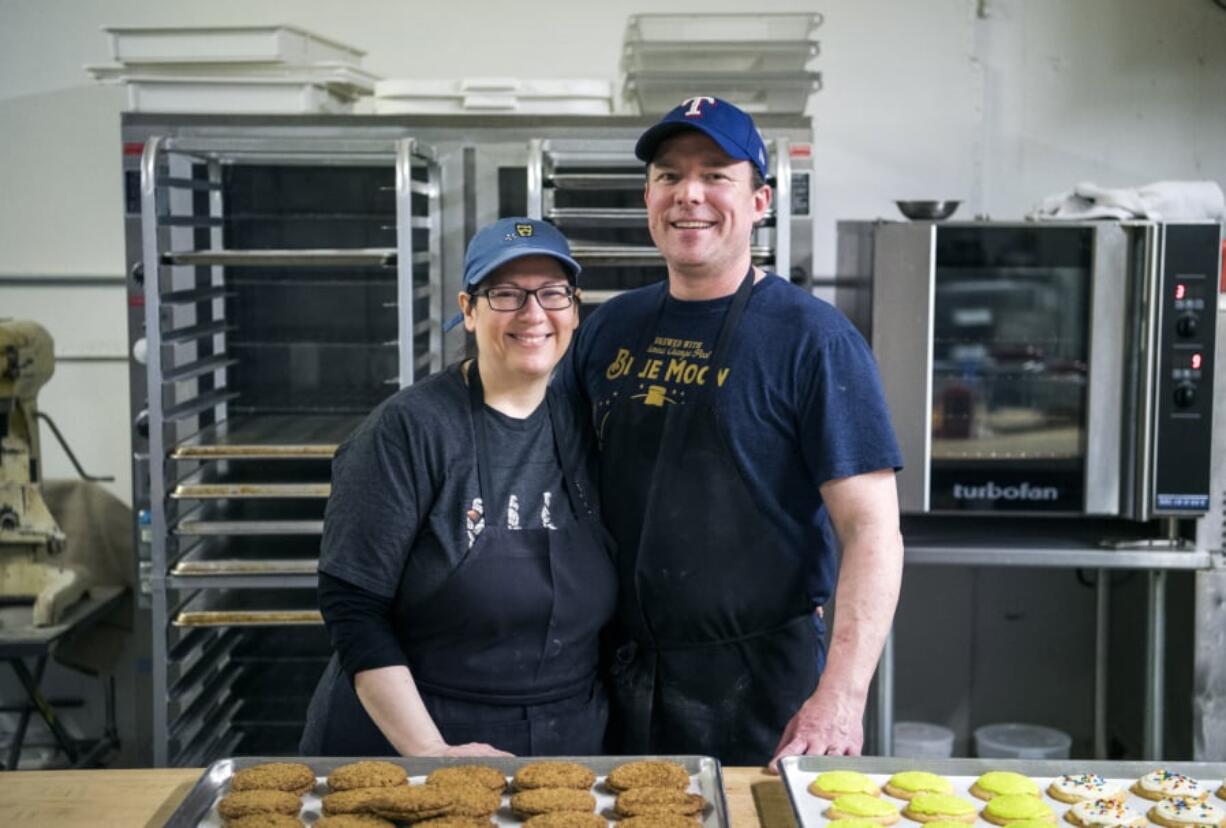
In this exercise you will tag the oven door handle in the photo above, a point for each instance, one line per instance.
(1106, 376)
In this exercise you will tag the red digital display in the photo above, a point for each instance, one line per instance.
(1181, 290)
(1196, 361)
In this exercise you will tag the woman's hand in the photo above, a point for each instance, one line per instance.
(473, 749)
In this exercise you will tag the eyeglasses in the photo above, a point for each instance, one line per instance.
(549, 297)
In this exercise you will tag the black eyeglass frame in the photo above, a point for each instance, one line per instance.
(572, 293)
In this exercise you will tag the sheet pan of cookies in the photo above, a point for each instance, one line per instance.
(494, 792)
(864, 792)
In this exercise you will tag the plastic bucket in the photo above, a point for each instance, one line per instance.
(1015, 740)
(923, 740)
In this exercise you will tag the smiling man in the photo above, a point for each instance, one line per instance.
(739, 419)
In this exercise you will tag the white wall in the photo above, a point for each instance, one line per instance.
(997, 102)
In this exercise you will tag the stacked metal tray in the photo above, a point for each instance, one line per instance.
(199, 808)
(799, 771)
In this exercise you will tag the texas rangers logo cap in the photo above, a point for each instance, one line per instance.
(726, 124)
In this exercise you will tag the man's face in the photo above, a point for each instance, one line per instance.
(529, 342)
(701, 204)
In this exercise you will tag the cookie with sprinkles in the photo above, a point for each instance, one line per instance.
(1104, 813)
(1163, 784)
(1186, 813)
(1085, 787)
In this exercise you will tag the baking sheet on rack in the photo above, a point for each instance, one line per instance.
(799, 771)
(199, 808)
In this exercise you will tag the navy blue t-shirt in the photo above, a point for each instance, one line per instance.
(799, 397)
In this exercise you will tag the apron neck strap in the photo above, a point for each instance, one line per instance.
(476, 403)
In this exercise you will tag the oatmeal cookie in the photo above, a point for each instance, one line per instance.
(406, 803)
(367, 774)
(554, 775)
(648, 773)
(641, 801)
(483, 775)
(352, 821)
(658, 821)
(567, 819)
(247, 803)
(356, 801)
(265, 821)
(547, 800)
(454, 822)
(294, 777)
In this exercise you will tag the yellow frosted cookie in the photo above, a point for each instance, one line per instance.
(1103, 813)
(995, 783)
(1006, 809)
(1085, 787)
(907, 784)
(863, 806)
(927, 806)
(1186, 813)
(833, 784)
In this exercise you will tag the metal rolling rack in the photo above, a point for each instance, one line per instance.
(592, 190)
(253, 382)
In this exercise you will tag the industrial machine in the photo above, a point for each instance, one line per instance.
(30, 539)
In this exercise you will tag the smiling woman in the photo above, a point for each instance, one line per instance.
(523, 327)
(463, 577)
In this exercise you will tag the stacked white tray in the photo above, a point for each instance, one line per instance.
(761, 62)
(276, 69)
(494, 96)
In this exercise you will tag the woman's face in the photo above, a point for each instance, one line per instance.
(529, 342)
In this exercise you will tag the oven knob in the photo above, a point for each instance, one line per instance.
(1185, 395)
(1186, 326)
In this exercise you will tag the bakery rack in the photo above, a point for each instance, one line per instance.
(291, 282)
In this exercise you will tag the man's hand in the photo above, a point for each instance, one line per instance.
(825, 724)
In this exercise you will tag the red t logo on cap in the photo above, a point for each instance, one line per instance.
(695, 106)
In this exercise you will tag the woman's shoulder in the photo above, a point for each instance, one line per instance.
(422, 407)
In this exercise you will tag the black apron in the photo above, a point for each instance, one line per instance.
(505, 650)
(719, 645)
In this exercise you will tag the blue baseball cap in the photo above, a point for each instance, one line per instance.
(513, 238)
(724, 123)
(506, 240)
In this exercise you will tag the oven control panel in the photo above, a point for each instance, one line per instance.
(1186, 293)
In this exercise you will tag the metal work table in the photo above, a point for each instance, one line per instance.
(1058, 545)
(20, 640)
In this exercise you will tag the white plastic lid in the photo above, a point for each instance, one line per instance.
(1022, 741)
(922, 739)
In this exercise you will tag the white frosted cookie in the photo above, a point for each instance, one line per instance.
(1163, 784)
(1104, 813)
(1182, 813)
(1083, 787)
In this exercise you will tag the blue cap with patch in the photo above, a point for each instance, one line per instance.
(513, 238)
(508, 239)
(726, 124)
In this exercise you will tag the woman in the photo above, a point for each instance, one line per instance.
(464, 576)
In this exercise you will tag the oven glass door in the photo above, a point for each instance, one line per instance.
(1011, 318)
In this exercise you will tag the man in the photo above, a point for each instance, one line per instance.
(739, 417)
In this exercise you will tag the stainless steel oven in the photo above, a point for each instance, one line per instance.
(1044, 368)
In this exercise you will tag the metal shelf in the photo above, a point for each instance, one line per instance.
(626, 254)
(269, 437)
(369, 257)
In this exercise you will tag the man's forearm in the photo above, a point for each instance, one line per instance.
(865, 599)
